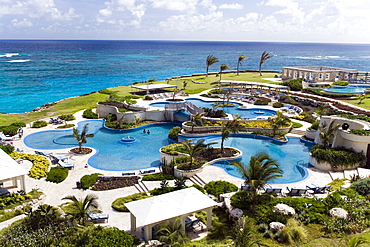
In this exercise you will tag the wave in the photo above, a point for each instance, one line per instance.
(19, 61)
(320, 57)
(9, 54)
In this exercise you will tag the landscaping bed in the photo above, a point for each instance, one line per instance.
(82, 151)
(110, 183)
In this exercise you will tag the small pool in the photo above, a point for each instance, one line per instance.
(347, 89)
(236, 108)
(115, 155)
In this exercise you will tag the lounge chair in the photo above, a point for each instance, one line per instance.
(128, 173)
(6, 138)
(69, 165)
(59, 157)
(147, 171)
(246, 187)
(190, 223)
(4, 191)
(270, 190)
(100, 218)
(296, 192)
(318, 189)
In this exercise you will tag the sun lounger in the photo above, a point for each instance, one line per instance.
(246, 187)
(147, 171)
(296, 192)
(270, 190)
(69, 165)
(43, 153)
(128, 173)
(6, 138)
(4, 191)
(191, 222)
(318, 189)
(100, 218)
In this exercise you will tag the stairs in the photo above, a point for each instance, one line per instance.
(197, 180)
(141, 187)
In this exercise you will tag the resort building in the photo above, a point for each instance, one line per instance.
(319, 74)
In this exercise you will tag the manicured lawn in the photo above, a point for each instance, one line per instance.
(364, 104)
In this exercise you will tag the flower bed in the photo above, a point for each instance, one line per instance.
(40, 164)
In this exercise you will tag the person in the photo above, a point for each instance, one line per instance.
(148, 132)
(20, 132)
(144, 131)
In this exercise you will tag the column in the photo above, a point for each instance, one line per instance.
(182, 220)
(23, 183)
(209, 218)
(148, 232)
(133, 223)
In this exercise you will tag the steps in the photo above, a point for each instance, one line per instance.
(141, 187)
(195, 179)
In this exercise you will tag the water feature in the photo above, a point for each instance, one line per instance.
(348, 89)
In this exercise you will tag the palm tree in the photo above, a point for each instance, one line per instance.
(222, 68)
(243, 234)
(81, 138)
(209, 61)
(240, 60)
(327, 134)
(172, 233)
(278, 121)
(194, 149)
(261, 169)
(79, 209)
(264, 57)
(228, 128)
(357, 241)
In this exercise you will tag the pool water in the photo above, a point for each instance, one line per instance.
(114, 155)
(251, 113)
(347, 89)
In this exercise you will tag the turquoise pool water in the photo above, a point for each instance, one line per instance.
(251, 113)
(348, 89)
(114, 155)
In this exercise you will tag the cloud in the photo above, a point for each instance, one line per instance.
(231, 6)
(179, 5)
(21, 23)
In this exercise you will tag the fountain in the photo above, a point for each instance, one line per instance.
(128, 139)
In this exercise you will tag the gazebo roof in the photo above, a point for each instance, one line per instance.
(9, 167)
(170, 205)
(153, 86)
(259, 84)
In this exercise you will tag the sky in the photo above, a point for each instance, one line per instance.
(329, 21)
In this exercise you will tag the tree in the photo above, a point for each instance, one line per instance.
(222, 68)
(264, 57)
(43, 216)
(81, 138)
(261, 169)
(278, 121)
(228, 128)
(240, 60)
(79, 209)
(243, 234)
(194, 149)
(327, 133)
(172, 233)
(209, 61)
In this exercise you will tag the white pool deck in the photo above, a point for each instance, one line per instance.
(55, 192)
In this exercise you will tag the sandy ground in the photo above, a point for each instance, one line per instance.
(55, 192)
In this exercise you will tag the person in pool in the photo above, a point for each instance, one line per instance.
(148, 132)
(144, 131)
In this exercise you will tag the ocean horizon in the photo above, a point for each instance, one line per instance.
(35, 72)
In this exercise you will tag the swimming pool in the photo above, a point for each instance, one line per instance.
(347, 89)
(251, 113)
(114, 155)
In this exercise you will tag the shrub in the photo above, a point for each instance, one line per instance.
(10, 130)
(40, 164)
(89, 180)
(314, 125)
(157, 177)
(362, 186)
(39, 124)
(160, 191)
(57, 174)
(118, 204)
(296, 125)
(294, 85)
(173, 134)
(340, 83)
(147, 97)
(18, 124)
(7, 148)
(361, 132)
(67, 117)
(337, 156)
(198, 187)
(261, 102)
(241, 199)
(65, 126)
(292, 233)
(89, 114)
(277, 105)
(219, 187)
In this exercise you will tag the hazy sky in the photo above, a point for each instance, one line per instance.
(233, 20)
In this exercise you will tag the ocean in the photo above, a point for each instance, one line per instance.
(35, 72)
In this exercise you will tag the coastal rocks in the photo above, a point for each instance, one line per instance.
(283, 209)
(339, 212)
(43, 107)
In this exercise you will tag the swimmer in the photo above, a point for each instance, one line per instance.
(144, 131)
(148, 132)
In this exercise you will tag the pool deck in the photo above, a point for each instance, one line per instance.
(55, 192)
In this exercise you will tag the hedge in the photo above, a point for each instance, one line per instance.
(40, 164)
(219, 187)
(157, 177)
(89, 114)
(57, 174)
(7, 148)
(89, 180)
(39, 124)
(118, 204)
(67, 117)
(362, 186)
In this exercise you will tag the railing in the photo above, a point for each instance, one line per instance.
(190, 107)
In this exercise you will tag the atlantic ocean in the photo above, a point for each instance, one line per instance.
(35, 72)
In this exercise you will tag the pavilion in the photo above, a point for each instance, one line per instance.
(149, 87)
(11, 173)
(178, 204)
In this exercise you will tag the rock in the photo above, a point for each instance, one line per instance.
(276, 226)
(7, 210)
(339, 212)
(283, 209)
(236, 213)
